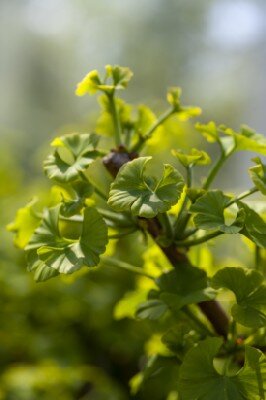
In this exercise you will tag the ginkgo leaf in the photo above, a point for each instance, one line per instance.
(195, 157)
(254, 226)
(119, 75)
(214, 133)
(183, 286)
(183, 112)
(67, 255)
(209, 210)
(78, 151)
(177, 288)
(247, 139)
(89, 84)
(199, 380)
(145, 196)
(258, 175)
(26, 221)
(250, 292)
(116, 78)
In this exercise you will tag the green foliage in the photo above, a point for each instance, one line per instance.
(198, 378)
(209, 210)
(196, 157)
(258, 175)
(50, 253)
(80, 151)
(144, 195)
(250, 292)
(147, 226)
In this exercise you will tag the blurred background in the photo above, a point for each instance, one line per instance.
(54, 336)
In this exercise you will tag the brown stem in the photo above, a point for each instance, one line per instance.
(212, 309)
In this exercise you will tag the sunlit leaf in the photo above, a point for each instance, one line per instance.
(26, 221)
(145, 119)
(247, 139)
(195, 157)
(120, 75)
(183, 112)
(250, 292)
(214, 133)
(116, 78)
(89, 84)
(145, 196)
(78, 151)
(258, 175)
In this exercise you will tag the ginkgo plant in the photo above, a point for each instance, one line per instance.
(208, 351)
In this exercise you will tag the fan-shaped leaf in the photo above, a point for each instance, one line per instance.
(145, 196)
(177, 288)
(48, 248)
(25, 223)
(209, 210)
(116, 78)
(79, 152)
(250, 292)
(199, 380)
(195, 157)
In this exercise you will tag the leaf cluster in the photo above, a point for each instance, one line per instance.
(170, 212)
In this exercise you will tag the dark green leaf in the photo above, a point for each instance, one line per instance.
(250, 292)
(209, 210)
(254, 225)
(199, 380)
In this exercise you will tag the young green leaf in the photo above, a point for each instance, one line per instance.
(26, 221)
(199, 380)
(247, 139)
(195, 157)
(258, 175)
(119, 75)
(250, 292)
(48, 248)
(145, 119)
(183, 112)
(213, 133)
(80, 152)
(209, 210)
(145, 196)
(116, 78)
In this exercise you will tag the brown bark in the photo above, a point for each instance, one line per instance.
(212, 309)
